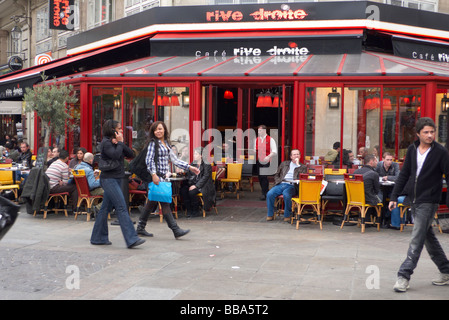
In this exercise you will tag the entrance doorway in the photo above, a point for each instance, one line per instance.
(245, 107)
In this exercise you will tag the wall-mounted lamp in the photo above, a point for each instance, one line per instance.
(117, 102)
(334, 99)
(444, 103)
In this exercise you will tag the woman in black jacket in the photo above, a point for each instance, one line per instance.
(195, 184)
(113, 149)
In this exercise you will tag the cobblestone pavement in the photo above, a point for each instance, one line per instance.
(235, 255)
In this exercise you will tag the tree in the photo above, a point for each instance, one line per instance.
(51, 102)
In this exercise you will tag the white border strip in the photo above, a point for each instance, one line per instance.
(261, 26)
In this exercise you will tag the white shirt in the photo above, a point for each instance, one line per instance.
(420, 158)
(291, 170)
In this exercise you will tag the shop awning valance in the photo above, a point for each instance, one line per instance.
(363, 64)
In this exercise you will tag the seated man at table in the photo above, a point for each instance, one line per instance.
(387, 169)
(58, 175)
(370, 180)
(287, 171)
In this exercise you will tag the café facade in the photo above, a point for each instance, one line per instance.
(361, 73)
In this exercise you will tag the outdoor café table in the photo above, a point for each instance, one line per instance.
(14, 169)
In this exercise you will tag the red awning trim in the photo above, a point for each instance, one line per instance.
(257, 66)
(342, 63)
(255, 34)
(148, 65)
(218, 64)
(181, 65)
(295, 73)
(404, 64)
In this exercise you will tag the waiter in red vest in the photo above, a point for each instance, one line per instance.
(265, 148)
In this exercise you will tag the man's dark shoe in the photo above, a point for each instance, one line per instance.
(143, 232)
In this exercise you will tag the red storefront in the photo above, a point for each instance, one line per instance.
(314, 73)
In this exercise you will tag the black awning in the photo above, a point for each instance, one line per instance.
(14, 89)
(362, 64)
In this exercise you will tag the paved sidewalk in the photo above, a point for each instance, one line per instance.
(236, 255)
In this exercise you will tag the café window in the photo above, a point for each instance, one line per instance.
(138, 115)
(441, 115)
(99, 13)
(173, 108)
(106, 105)
(323, 120)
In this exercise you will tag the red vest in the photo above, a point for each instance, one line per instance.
(263, 149)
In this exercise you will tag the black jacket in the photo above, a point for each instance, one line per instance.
(203, 181)
(427, 187)
(113, 151)
(36, 188)
(371, 183)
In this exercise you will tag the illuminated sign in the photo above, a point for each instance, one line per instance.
(61, 14)
(258, 15)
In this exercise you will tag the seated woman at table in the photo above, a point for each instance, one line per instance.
(195, 184)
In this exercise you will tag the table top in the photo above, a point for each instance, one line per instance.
(176, 179)
(14, 169)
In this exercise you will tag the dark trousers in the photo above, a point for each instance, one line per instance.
(423, 235)
(190, 198)
(70, 188)
(263, 180)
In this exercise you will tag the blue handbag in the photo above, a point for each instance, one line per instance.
(161, 192)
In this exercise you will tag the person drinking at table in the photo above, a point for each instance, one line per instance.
(195, 184)
(287, 171)
(157, 160)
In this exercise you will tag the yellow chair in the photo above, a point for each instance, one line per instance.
(309, 195)
(7, 181)
(355, 192)
(402, 209)
(234, 176)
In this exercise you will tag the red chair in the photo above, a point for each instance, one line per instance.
(55, 196)
(83, 192)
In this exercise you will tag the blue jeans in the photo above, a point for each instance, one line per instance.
(285, 189)
(113, 198)
(423, 235)
(396, 214)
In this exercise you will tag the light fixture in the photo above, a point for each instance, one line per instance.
(165, 100)
(174, 100)
(16, 33)
(334, 99)
(159, 101)
(444, 103)
(117, 102)
(228, 94)
(267, 102)
(386, 103)
(260, 100)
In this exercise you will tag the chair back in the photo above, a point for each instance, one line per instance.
(315, 168)
(329, 171)
(234, 171)
(81, 183)
(214, 175)
(6, 177)
(355, 189)
(310, 188)
(247, 169)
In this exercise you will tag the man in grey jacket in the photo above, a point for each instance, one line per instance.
(370, 180)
